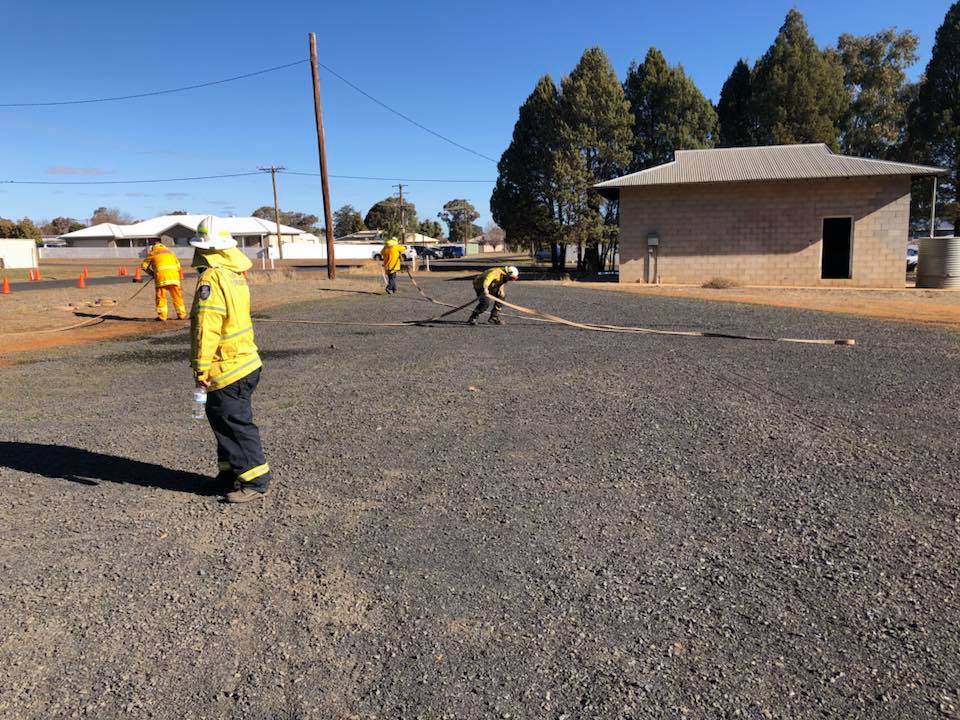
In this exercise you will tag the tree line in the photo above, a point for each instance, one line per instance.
(458, 214)
(396, 218)
(855, 97)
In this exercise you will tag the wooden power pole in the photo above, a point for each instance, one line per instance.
(322, 150)
(276, 205)
(403, 215)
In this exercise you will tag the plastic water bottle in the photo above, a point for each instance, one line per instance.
(199, 404)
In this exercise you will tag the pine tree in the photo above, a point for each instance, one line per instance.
(798, 91)
(875, 75)
(669, 111)
(735, 111)
(524, 199)
(595, 139)
(933, 135)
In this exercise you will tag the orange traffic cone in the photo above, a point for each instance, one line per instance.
(30, 274)
(5, 288)
(81, 283)
(137, 277)
(37, 274)
(124, 271)
(86, 273)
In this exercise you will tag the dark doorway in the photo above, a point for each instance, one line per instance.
(835, 262)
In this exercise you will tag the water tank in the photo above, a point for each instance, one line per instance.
(939, 263)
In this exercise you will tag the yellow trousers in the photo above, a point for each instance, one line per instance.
(176, 295)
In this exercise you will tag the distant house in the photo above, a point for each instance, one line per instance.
(483, 244)
(176, 231)
(381, 236)
(780, 215)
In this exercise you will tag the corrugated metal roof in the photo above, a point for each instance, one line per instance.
(753, 164)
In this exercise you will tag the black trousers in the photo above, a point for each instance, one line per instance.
(483, 304)
(238, 438)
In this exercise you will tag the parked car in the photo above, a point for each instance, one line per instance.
(544, 255)
(451, 251)
(424, 251)
(409, 255)
(913, 257)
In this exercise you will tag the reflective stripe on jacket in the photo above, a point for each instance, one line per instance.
(391, 257)
(492, 281)
(223, 350)
(164, 266)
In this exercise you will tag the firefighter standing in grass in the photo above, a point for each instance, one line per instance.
(164, 266)
(491, 281)
(225, 361)
(391, 254)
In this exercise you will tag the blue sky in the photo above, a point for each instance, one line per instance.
(460, 68)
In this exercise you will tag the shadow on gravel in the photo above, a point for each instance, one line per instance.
(89, 468)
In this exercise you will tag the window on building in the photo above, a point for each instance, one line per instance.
(837, 250)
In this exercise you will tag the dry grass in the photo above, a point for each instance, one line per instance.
(271, 277)
(720, 283)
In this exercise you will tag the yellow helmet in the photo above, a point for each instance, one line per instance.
(211, 235)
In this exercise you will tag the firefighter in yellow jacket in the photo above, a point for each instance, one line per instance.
(491, 281)
(164, 266)
(391, 255)
(225, 361)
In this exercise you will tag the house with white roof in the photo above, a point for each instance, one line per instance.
(177, 230)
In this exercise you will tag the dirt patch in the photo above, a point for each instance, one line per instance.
(43, 319)
(914, 305)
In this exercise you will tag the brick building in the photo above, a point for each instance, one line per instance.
(783, 215)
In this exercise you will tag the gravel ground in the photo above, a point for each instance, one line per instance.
(605, 526)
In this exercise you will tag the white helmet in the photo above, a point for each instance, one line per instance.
(512, 271)
(211, 235)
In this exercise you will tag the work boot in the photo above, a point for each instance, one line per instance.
(472, 320)
(244, 494)
(159, 319)
(494, 320)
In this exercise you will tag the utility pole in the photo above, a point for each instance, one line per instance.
(403, 214)
(273, 170)
(322, 150)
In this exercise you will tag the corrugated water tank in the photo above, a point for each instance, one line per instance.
(938, 265)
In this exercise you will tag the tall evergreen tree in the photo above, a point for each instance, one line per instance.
(875, 75)
(386, 214)
(524, 199)
(459, 215)
(933, 135)
(346, 221)
(669, 111)
(595, 140)
(798, 90)
(735, 109)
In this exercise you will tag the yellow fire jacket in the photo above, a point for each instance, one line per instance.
(391, 253)
(492, 281)
(223, 350)
(163, 265)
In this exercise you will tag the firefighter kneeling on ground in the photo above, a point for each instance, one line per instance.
(492, 281)
(164, 266)
(225, 361)
(391, 254)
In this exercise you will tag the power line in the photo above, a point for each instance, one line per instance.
(230, 175)
(125, 182)
(405, 117)
(154, 92)
(386, 179)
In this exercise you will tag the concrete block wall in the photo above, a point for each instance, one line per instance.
(765, 233)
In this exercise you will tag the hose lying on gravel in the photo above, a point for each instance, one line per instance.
(651, 331)
(97, 319)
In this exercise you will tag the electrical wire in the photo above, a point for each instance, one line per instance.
(229, 175)
(385, 179)
(154, 93)
(405, 117)
(126, 182)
